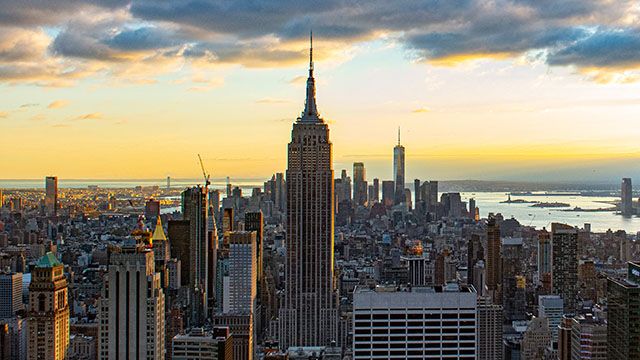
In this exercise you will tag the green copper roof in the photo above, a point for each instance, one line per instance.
(48, 260)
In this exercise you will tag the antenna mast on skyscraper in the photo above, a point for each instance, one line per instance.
(398, 135)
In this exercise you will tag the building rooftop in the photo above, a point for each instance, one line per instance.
(49, 260)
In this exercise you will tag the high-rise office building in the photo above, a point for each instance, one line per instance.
(417, 323)
(489, 329)
(494, 260)
(242, 289)
(214, 203)
(475, 253)
(623, 315)
(359, 184)
(563, 346)
(196, 211)
(51, 195)
(179, 232)
(398, 171)
(564, 250)
(132, 307)
(388, 193)
(151, 209)
(48, 314)
(536, 339)
(10, 294)
(588, 338)
(199, 344)
(544, 253)
(551, 307)
(417, 191)
(626, 197)
(309, 316)
(432, 202)
(472, 208)
(240, 293)
(281, 192)
(376, 191)
(421, 270)
(254, 221)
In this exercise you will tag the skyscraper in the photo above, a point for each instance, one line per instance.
(132, 307)
(196, 211)
(623, 315)
(398, 171)
(494, 260)
(376, 190)
(475, 253)
(51, 195)
(417, 323)
(388, 193)
(253, 221)
(309, 316)
(48, 315)
(489, 329)
(544, 253)
(626, 197)
(10, 294)
(359, 184)
(551, 307)
(565, 264)
(417, 192)
(242, 289)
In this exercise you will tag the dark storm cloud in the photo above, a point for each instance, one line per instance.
(146, 38)
(606, 48)
(48, 12)
(581, 33)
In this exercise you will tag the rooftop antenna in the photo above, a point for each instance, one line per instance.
(398, 135)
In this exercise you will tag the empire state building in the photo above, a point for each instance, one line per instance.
(309, 316)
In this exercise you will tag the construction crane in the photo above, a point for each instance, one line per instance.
(204, 173)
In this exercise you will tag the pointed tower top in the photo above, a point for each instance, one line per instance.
(398, 135)
(311, 53)
(310, 113)
(158, 232)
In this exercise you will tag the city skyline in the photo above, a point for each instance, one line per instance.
(465, 104)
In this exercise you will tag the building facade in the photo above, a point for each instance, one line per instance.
(132, 307)
(309, 316)
(48, 314)
(565, 264)
(420, 322)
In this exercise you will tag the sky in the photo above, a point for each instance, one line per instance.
(506, 89)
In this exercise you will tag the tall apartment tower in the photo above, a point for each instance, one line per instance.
(398, 171)
(48, 315)
(132, 308)
(51, 195)
(494, 261)
(489, 329)
(359, 184)
(626, 197)
(565, 264)
(196, 211)
(623, 315)
(309, 316)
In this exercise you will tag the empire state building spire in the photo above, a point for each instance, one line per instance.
(310, 113)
